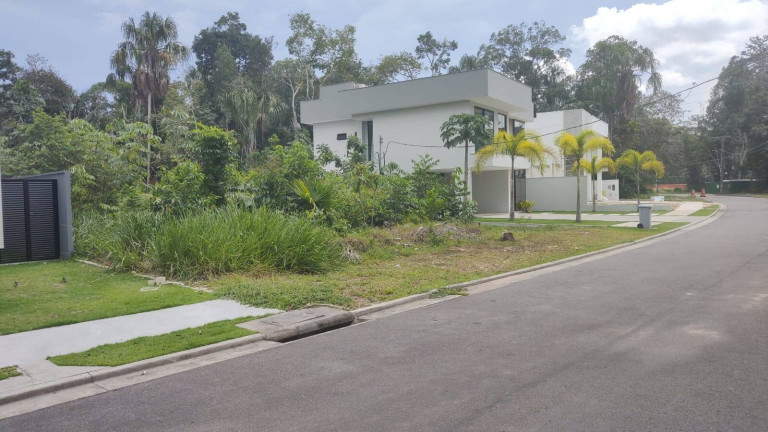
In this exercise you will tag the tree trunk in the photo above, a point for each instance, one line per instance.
(296, 126)
(512, 191)
(594, 194)
(578, 195)
(149, 147)
(251, 141)
(638, 188)
(466, 171)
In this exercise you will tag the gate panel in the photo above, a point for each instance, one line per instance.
(43, 221)
(30, 220)
(14, 223)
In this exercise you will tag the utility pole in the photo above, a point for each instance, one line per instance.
(381, 141)
(719, 160)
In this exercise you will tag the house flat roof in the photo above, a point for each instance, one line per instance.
(347, 100)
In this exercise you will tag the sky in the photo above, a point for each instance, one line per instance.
(693, 39)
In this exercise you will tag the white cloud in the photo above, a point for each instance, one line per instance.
(693, 39)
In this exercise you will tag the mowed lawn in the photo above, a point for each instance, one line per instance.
(36, 295)
(394, 264)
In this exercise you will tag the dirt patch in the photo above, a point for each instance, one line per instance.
(441, 232)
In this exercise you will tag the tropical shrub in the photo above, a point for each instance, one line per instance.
(526, 205)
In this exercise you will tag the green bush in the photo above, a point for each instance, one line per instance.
(208, 243)
(121, 240)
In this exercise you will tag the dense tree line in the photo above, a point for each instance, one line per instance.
(221, 130)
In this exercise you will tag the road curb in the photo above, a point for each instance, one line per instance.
(143, 365)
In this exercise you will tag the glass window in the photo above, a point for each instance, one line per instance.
(517, 126)
(501, 122)
(485, 113)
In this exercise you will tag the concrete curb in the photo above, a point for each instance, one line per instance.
(298, 330)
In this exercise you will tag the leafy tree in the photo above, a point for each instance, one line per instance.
(58, 95)
(150, 50)
(289, 73)
(216, 154)
(251, 53)
(8, 69)
(593, 167)
(640, 163)
(393, 68)
(18, 103)
(469, 62)
(534, 55)
(525, 145)
(99, 172)
(465, 129)
(578, 147)
(437, 53)
(610, 80)
(735, 118)
(319, 48)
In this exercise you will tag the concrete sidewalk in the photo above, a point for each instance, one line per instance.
(29, 350)
(680, 214)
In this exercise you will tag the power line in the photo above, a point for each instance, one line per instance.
(651, 102)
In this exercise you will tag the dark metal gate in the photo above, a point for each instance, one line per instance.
(30, 220)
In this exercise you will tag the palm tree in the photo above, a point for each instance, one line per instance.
(525, 144)
(150, 50)
(577, 147)
(594, 167)
(466, 128)
(639, 163)
(251, 109)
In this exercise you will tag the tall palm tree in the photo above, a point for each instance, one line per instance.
(465, 129)
(525, 145)
(593, 167)
(612, 76)
(640, 163)
(150, 50)
(577, 147)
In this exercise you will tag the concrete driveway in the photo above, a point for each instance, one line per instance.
(669, 336)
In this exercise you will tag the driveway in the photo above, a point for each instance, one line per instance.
(669, 336)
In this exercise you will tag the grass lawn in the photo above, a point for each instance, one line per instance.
(601, 212)
(395, 265)
(154, 346)
(683, 197)
(34, 295)
(705, 211)
(526, 220)
(9, 372)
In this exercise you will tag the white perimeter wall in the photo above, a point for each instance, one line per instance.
(555, 193)
(490, 189)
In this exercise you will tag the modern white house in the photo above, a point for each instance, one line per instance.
(555, 188)
(400, 122)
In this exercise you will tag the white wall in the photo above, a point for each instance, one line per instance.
(490, 189)
(611, 190)
(325, 133)
(556, 193)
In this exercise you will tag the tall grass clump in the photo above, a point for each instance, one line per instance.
(227, 240)
(121, 240)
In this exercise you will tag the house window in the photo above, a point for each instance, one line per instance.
(341, 137)
(501, 122)
(487, 114)
(517, 126)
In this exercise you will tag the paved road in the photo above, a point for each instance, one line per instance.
(671, 336)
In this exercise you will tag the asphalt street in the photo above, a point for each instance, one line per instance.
(672, 336)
